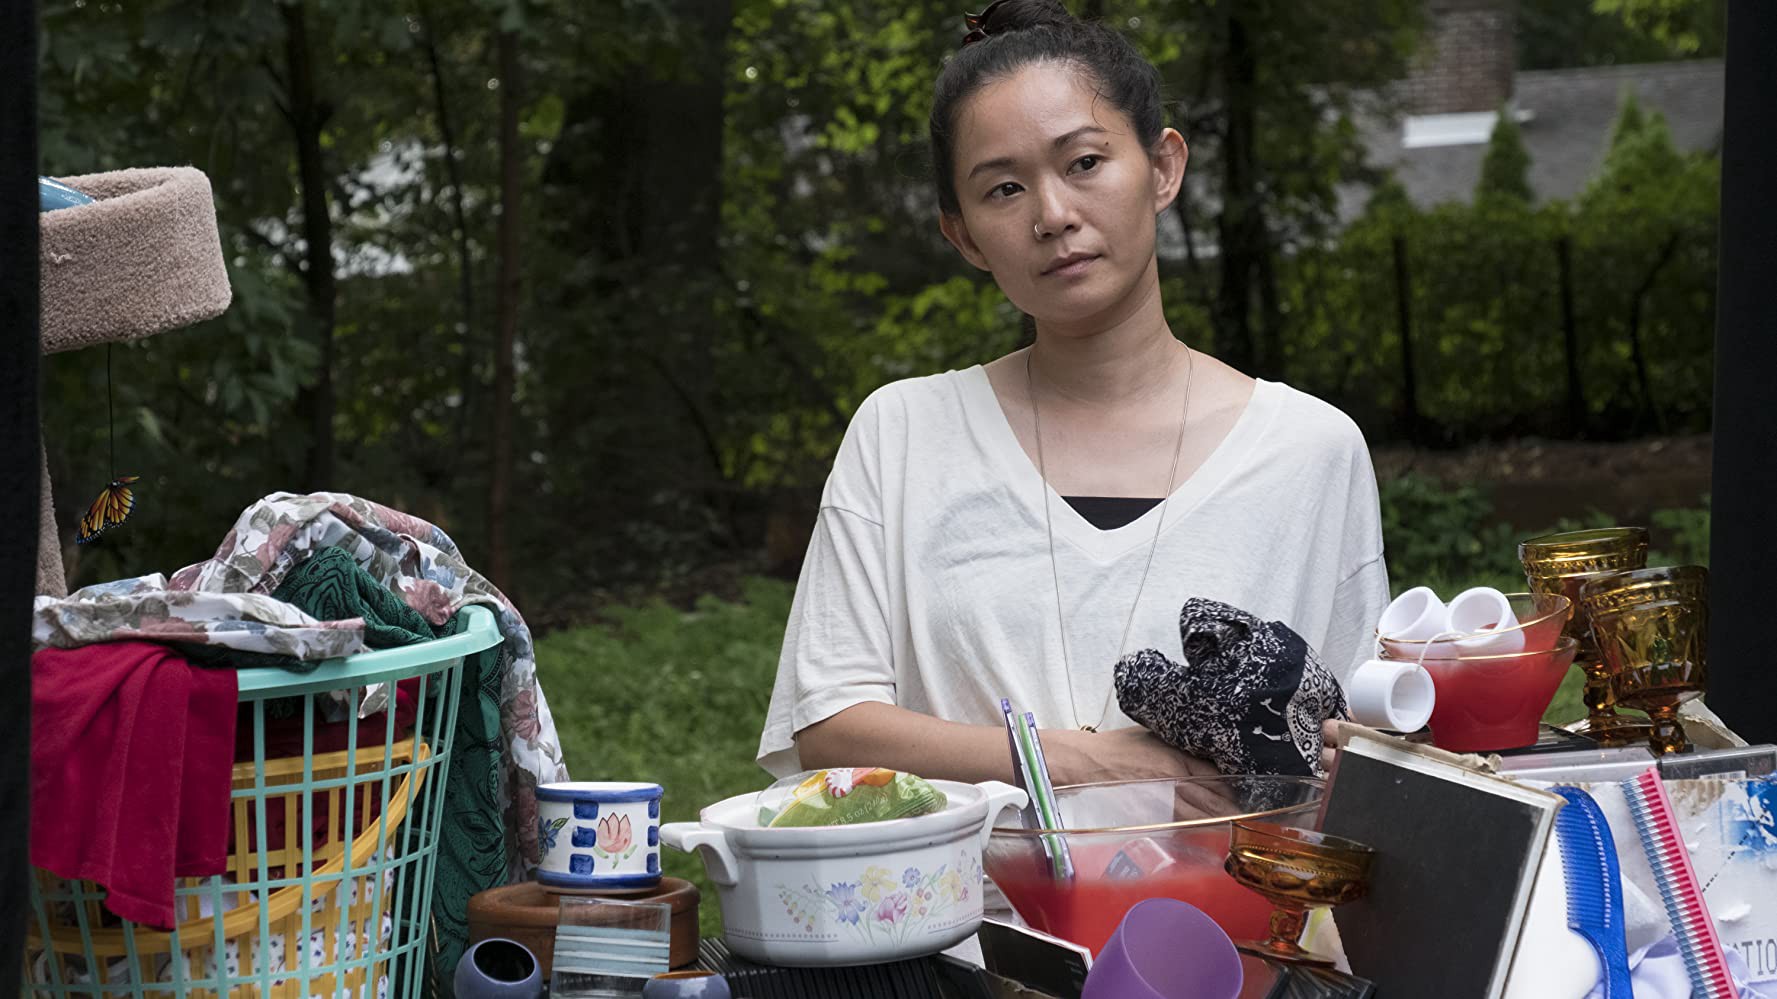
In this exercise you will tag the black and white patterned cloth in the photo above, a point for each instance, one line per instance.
(1249, 698)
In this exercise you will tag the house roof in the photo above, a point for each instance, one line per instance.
(1570, 115)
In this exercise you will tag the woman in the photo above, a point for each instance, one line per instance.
(1014, 529)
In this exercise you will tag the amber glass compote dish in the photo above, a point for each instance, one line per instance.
(1562, 563)
(1295, 870)
(1652, 627)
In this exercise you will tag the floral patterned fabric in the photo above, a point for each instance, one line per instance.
(421, 563)
(143, 608)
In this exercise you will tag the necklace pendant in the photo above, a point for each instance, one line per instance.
(1089, 728)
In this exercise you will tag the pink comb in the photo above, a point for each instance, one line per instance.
(1663, 843)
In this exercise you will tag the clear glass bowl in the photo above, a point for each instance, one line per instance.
(1131, 840)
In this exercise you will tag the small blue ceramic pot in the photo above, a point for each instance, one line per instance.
(598, 835)
(687, 985)
(498, 969)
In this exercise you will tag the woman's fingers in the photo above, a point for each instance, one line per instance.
(1330, 734)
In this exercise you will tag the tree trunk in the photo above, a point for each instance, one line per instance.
(500, 477)
(453, 169)
(1268, 351)
(1570, 340)
(650, 140)
(1181, 206)
(1403, 293)
(1649, 407)
(1240, 229)
(307, 117)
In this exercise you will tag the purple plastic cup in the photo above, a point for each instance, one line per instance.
(1166, 949)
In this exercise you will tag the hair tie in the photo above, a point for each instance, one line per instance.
(977, 23)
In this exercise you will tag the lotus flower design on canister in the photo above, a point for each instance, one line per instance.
(615, 839)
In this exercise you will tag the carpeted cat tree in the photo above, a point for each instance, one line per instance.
(142, 257)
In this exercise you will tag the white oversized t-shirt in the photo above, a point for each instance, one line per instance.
(927, 583)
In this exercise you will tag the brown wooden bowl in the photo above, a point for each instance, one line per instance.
(528, 913)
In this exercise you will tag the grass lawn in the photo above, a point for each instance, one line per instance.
(678, 698)
(670, 696)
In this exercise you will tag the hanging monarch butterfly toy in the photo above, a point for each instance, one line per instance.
(114, 504)
(111, 509)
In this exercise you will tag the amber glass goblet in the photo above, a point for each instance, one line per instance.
(1295, 870)
(1562, 563)
(1653, 633)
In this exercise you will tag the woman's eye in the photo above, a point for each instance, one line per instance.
(1085, 163)
(1005, 190)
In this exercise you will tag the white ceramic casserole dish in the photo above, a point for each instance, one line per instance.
(859, 894)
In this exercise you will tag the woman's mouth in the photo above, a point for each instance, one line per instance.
(1072, 265)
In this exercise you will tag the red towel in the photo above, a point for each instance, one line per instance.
(132, 750)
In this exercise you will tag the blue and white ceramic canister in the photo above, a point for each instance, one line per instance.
(599, 835)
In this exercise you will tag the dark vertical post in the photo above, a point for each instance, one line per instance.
(1403, 296)
(1742, 548)
(1570, 340)
(19, 440)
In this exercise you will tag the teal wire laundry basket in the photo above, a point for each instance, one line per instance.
(328, 890)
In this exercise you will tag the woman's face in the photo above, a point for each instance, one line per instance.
(1058, 195)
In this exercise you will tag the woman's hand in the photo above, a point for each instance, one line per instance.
(1329, 743)
(1120, 754)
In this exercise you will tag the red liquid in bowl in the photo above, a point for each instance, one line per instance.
(1497, 702)
(1088, 909)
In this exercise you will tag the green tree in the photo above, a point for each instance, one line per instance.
(1629, 123)
(1269, 95)
(1686, 27)
(1557, 34)
(1651, 209)
(1505, 169)
(727, 235)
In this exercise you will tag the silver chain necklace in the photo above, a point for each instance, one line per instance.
(1049, 526)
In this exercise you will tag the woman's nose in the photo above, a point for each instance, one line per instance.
(1056, 215)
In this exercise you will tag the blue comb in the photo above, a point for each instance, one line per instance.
(1594, 886)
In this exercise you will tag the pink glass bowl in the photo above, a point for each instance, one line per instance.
(1486, 703)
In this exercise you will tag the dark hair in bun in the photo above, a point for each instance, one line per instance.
(1018, 32)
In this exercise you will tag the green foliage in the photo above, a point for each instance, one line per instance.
(1630, 119)
(1645, 232)
(1556, 34)
(1687, 536)
(671, 381)
(1437, 536)
(1505, 170)
(1685, 27)
(1485, 305)
(1449, 538)
(1568, 704)
(670, 696)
